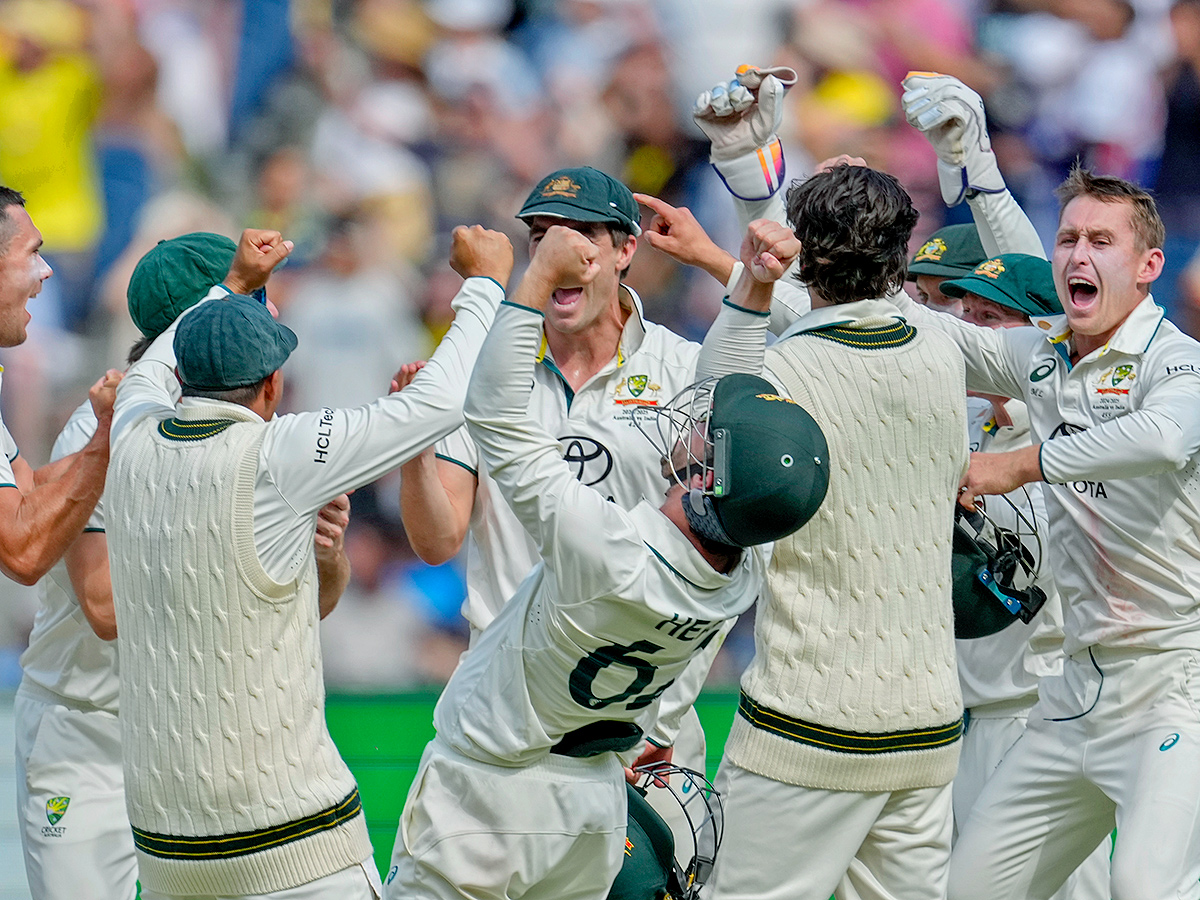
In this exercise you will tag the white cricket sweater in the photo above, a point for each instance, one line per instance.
(233, 783)
(853, 684)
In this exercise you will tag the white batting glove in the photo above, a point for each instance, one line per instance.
(951, 116)
(741, 120)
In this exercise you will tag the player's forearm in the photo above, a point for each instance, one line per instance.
(434, 525)
(41, 524)
(88, 570)
(736, 342)
(333, 575)
(1003, 226)
(1144, 442)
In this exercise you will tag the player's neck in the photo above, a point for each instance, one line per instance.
(722, 562)
(580, 355)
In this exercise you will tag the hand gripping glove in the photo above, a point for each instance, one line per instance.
(951, 116)
(741, 119)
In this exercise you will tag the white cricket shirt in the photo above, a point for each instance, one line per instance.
(620, 606)
(1120, 432)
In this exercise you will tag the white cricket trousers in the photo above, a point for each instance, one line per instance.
(986, 741)
(1114, 740)
(554, 830)
(71, 801)
(785, 842)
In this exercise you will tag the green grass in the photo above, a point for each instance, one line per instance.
(381, 737)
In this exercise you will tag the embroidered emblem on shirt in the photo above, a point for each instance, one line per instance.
(635, 386)
(1111, 378)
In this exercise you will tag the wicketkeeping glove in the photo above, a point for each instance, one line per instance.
(951, 115)
(741, 120)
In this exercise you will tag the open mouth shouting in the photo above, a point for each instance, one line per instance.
(565, 298)
(1082, 292)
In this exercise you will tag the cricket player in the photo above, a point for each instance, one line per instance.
(233, 785)
(1000, 673)
(1111, 390)
(41, 512)
(70, 798)
(521, 793)
(836, 775)
(600, 362)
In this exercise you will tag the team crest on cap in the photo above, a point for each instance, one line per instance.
(931, 251)
(992, 268)
(774, 397)
(562, 186)
(56, 808)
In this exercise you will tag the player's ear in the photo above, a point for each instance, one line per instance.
(273, 387)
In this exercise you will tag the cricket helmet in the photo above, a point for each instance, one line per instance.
(994, 568)
(767, 456)
(655, 868)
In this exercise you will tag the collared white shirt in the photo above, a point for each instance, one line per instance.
(1120, 434)
(621, 605)
(595, 428)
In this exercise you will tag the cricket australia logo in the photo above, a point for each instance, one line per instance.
(931, 251)
(636, 386)
(1110, 380)
(56, 808)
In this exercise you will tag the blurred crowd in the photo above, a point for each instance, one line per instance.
(365, 130)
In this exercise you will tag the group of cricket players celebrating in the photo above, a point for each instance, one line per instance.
(623, 495)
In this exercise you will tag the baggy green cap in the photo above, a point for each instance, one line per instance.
(1014, 280)
(583, 194)
(771, 462)
(176, 275)
(948, 253)
(230, 342)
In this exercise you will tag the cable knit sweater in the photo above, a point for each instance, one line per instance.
(853, 684)
(233, 783)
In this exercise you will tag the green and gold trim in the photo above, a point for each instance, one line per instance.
(847, 741)
(175, 429)
(167, 846)
(895, 335)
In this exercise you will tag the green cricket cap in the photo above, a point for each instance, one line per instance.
(948, 253)
(649, 853)
(176, 275)
(1014, 280)
(230, 342)
(584, 194)
(770, 461)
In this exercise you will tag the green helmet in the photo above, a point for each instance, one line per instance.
(992, 570)
(652, 869)
(767, 456)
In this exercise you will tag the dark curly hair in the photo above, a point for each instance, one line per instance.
(854, 224)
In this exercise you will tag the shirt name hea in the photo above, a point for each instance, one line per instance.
(324, 433)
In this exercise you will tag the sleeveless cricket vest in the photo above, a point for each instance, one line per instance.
(233, 783)
(853, 685)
